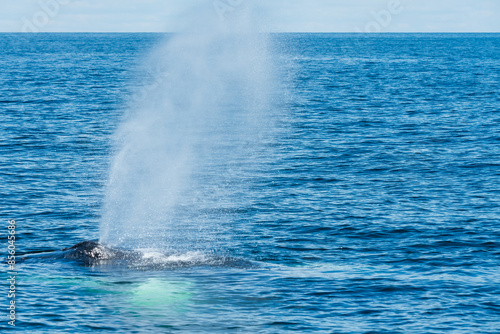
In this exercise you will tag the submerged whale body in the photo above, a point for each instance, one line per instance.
(93, 253)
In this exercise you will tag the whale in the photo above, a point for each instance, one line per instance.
(93, 253)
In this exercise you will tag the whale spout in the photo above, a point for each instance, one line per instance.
(88, 249)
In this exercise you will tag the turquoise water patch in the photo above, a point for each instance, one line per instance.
(157, 292)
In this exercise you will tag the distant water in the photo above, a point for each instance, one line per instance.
(374, 208)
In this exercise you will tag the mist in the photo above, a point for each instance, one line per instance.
(183, 153)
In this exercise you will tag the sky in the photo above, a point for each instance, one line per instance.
(274, 15)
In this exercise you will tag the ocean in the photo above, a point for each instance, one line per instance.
(363, 198)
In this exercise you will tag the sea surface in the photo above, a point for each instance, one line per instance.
(374, 207)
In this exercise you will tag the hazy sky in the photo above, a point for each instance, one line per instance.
(278, 15)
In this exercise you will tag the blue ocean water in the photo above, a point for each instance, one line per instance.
(373, 209)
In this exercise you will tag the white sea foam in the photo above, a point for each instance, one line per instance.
(160, 258)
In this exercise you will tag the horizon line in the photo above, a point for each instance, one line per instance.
(268, 32)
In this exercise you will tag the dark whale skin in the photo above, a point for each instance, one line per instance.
(87, 249)
(93, 252)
